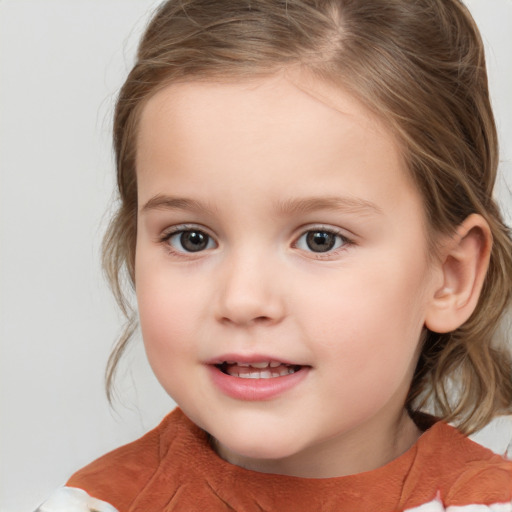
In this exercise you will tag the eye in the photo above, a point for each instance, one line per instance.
(190, 240)
(321, 240)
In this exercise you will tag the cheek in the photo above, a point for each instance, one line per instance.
(372, 315)
(367, 340)
(166, 314)
(165, 318)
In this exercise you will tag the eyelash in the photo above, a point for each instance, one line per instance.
(345, 242)
(179, 230)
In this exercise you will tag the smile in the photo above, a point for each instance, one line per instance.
(257, 370)
(255, 378)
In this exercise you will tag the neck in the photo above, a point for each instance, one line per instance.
(366, 448)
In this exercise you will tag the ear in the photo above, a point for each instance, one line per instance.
(464, 263)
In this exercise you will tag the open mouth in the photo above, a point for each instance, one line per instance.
(260, 370)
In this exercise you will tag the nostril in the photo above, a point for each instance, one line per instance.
(247, 320)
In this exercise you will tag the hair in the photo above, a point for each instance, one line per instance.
(420, 66)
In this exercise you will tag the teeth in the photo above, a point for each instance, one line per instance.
(259, 365)
(252, 375)
(266, 374)
(258, 370)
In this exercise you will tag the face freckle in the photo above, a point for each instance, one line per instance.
(292, 331)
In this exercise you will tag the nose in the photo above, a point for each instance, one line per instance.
(249, 292)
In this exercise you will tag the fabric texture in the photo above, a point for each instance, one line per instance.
(70, 499)
(173, 468)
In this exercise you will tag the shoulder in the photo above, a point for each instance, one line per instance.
(70, 499)
(459, 472)
(119, 476)
(437, 505)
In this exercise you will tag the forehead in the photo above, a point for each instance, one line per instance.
(287, 99)
(298, 128)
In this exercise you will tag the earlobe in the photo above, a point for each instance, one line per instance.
(464, 263)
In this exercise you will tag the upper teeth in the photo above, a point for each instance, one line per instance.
(263, 364)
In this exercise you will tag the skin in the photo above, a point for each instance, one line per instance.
(241, 153)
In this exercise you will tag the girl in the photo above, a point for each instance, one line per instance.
(306, 216)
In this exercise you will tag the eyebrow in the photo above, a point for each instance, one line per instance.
(164, 202)
(346, 204)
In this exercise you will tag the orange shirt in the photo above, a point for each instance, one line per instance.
(173, 468)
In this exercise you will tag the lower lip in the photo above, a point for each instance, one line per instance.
(255, 389)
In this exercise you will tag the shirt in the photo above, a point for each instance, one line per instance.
(174, 468)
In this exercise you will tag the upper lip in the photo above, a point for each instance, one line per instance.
(250, 358)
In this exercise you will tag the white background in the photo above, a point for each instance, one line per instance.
(61, 64)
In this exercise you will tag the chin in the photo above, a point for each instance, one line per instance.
(263, 446)
(253, 434)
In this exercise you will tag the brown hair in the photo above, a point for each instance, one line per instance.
(420, 66)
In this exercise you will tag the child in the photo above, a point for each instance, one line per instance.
(306, 216)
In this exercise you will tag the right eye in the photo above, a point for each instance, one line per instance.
(190, 240)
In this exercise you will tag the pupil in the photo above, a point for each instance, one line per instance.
(194, 241)
(320, 241)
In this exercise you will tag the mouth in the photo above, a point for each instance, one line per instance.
(255, 377)
(258, 370)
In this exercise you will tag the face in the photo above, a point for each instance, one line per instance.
(281, 272)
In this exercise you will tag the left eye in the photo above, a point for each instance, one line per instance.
(320, 240)
(190, 240)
